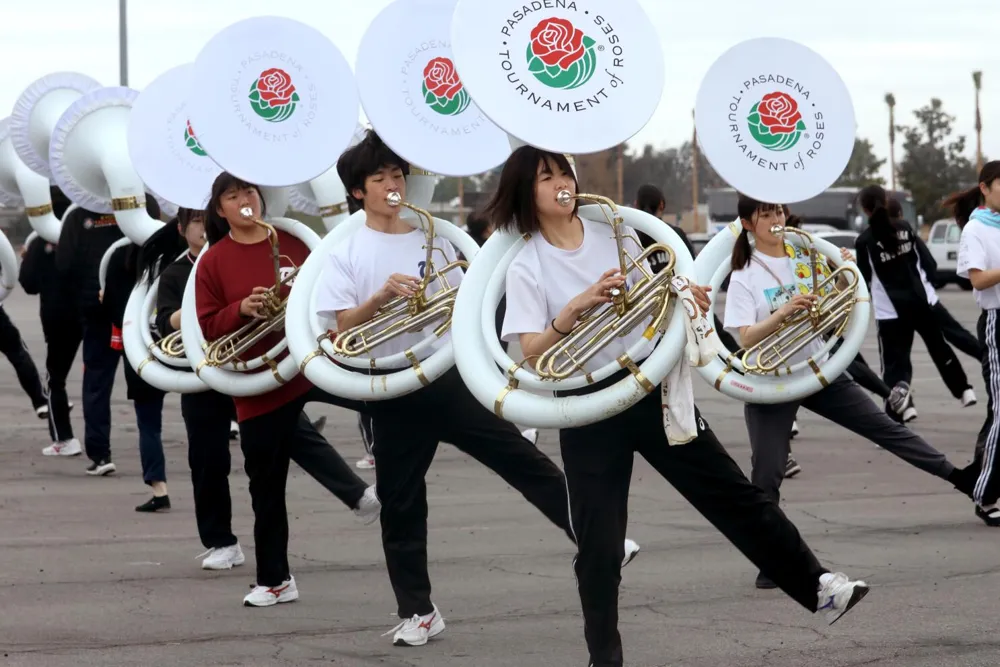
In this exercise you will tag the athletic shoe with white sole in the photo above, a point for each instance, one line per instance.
(631, 551)
(223, 558)
(837, 595)
(792, 468)
(795, 429)
(268, 596)
(369, 507)
(234, 430)
(531, 435)
(101, 468)
(367, 462)
(416, 631)
(67, 448)
(968, 398)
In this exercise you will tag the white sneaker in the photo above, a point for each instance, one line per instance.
(42, 411)
(366, 463)
(795, 428)
(234, 430)
(417, 630)
(223, 558)
(531, 435)
(631, 551)
(909, 414)
(263, 596)
(838, 595)
(67, 448)
(369, 507)
(968, 398)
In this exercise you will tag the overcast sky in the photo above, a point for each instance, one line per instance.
(916, 49)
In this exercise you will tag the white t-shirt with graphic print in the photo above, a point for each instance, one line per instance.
(754, 293)
(358, 268)
(979, 248)
(542, 279)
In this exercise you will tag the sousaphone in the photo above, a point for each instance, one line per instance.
(566, 80)
(294, 111)
(776, 122)
(412, 96)
(324, 196)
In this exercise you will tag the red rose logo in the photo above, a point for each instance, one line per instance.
(779, 113)
(441, 78)
(556, 42)
(275, 87)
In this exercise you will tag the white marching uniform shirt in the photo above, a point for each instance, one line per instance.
(359, 268)
(980, 249)
(542, 279)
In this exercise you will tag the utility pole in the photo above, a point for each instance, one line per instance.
(621, 173)
(694, 177)
(977, 79)
(461, 202)
(122, 43)
(890, 100)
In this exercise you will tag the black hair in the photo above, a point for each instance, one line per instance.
(165, 245)
(965, 202)
(477, 225)
(873, 198)
(513, 207)
(895, 209)
(216, 226)
(746, 208)
(60, 202)
(649, 198)
(365, 159)
(791, 220)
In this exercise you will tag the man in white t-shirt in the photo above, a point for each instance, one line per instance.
(386, 259)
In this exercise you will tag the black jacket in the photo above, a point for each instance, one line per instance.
(84, 239)
(658, 260)
(170, 292)
(899, 273)
(38, 275)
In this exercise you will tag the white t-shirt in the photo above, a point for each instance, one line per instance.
(980, 249)
(754, 294)
(542, 279)
(360, 267)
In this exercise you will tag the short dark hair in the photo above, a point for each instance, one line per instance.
(895, 208)
(649, 198)
(746, 207)
(512, 207)
(365, 159)
(216, 227)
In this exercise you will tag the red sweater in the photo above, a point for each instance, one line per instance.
(227, 274)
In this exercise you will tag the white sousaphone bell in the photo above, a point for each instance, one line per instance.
(323, 356)
(521, 393)
(324, 195)
(167, 155)
(314, 108)
(800, 127)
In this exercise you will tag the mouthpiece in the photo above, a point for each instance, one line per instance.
(246, 212)
(777, 229)
(393, 199)
(564, 198)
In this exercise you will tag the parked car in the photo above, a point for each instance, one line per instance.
(699, 240)
(943, 243)
(842, 238)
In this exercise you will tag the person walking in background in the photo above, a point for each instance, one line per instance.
(61, 328)
(13, 347)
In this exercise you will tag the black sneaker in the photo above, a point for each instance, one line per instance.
(155, 504)
(990, 516)
(101, 468)
(763, 583)
(964, 479)
(792, 468)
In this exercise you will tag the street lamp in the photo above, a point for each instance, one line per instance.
(122, 43)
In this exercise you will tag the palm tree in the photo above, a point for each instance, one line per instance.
(890, 100)
(977, 78)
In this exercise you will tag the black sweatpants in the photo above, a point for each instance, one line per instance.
(987, 489)
(12, 346)
(896, 341)
(100, 364)
(598, 461)
(63, 336)
(269, 442)
(207, 419)
(407, 432)
(955, 334)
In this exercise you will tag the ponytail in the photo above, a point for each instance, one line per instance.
(875, 202)
(159, 250)
(963, 203)
(741, 251)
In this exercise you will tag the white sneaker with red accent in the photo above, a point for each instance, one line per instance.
(418, 630)
(67, 448)
(267, 596)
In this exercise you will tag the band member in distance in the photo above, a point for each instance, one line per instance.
(382, 260)
(233, 275)
(566, 267)
(977, 211)
(763, 292)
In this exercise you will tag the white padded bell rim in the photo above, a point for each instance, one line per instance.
(92, 101)
(21, 115)
(300, 199)
(167, 208)
(11, 199)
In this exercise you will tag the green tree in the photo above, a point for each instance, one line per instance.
(863, 167)
(933, 164)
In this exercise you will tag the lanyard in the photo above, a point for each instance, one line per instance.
(781, 286)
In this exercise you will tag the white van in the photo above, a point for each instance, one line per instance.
(943, 244)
